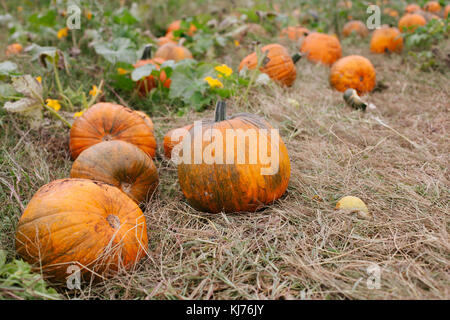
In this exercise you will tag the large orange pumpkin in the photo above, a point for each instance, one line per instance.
(385, 40)
(355, 26)
(174, 137)
(322, 48)
(294, 33)
(411, 8)
(146, 85)
(432, 6)
(173, 51)
(410, 22)
(278, 64)
(355, 72)
(147, 119)
(82, 223)
(108, 121)
(228, 177)
(120, 164)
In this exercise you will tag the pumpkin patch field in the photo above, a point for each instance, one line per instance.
(242, 149)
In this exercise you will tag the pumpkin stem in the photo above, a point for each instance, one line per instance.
(220, 111)
(147, 54)
(296, 57)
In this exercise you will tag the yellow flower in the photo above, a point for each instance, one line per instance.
(63, 33)
(237, 43)
(88, 15)
(94, 91)
(78, 114)
(39, 79)
(121, 71)
(54, 104)
(19, 8)
(213, 83)
(224, 69)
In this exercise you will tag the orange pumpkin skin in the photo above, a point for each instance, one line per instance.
(233, 187)
(410, 22)
(432, 6)
(278, 64)
(14, 49)
(294, 33)
(174, 137)
(411, 8)
(176, 25)
(447, 11)
(163, 40)
(357, 27)
(108, 121)
(321, 48)
(146, 85)
(385, 40)
(355, 72)
(171, 51)
(120, 164)
(147, 119)
(81, 222)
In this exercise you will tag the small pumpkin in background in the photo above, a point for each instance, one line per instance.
(166, 39)
(321, 48)
(106, 121)
(277, 64)
(237, 178)
(410, 22)
(14, 49)
(294, 33)
(391, 12)
(386, 39)
(355, 72)
(174, 137)
(176, 25)
(146, 85)
(432, 6)
(173, 51)
(120, 164)
(447, 11)
(355, 26)
(411, 8)
(80, 222)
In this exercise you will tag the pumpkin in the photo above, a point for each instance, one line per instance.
(410, 22)
(146, 85)
(108, 121)
(411, 8)
(147, 119)
(432, 6)
(391, 12)
(14, 49)
(351, 204)
(355, 72)
(81, 222)
(277, 64)
(386, 39)
(233, 181)
(447, 11)
(357, 27)
(294, 33)
(120, 164)
(174, 137)
(176, 25)
(163, 40)
(173, 51)
(321, 48)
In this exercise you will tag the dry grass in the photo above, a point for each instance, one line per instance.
(394, 158)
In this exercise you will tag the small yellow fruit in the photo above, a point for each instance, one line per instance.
(353, 204)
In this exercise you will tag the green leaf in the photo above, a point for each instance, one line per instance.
(125, 17)
(7, 68)
(119, 50)
(142, 72)
(47, 19)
